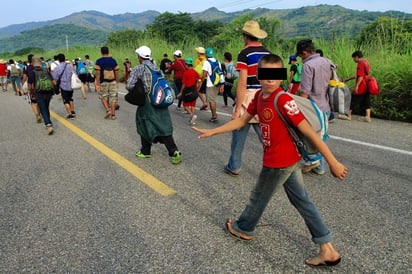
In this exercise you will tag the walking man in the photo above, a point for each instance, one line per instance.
(248, 85)
(64, 72)
(316, 73)
(107, 82)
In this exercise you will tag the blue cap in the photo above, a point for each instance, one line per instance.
(292, 58)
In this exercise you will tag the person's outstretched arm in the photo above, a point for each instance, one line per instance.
(228, 127)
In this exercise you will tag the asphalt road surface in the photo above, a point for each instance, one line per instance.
(79, 201)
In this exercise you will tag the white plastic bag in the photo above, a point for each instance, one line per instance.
(76, 83)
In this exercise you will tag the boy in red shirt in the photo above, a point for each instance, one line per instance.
(281, 164)
(188, 92)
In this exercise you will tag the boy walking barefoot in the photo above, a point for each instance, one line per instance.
(281, 165)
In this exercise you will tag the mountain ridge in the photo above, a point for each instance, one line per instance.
(314, 21)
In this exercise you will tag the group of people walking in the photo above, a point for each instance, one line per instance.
(57, 79)
(252, 107)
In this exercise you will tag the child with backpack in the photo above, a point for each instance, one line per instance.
(188, 93)
(281, 163)
(82, 73)
(295, 74)
(231, 74)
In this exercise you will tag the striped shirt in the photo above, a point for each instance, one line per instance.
(248, 60)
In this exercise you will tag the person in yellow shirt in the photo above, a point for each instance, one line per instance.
(198, 67)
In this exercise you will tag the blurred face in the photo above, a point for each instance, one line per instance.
(269, 86)
(304, 54)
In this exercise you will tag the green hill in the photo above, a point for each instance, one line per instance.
(92, 27)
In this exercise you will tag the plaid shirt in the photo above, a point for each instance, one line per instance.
(141, 72)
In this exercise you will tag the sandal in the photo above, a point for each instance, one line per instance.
(204, 107)
(114, 117)
(231, 172)
(108, 113)
(235, 234)
(324, 263)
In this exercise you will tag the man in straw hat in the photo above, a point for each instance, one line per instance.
(248, 85)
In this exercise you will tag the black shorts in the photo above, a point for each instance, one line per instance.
(67, 96)
(83, 78)
(90, 78)
(361, 100)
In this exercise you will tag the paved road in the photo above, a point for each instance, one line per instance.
(81, 202)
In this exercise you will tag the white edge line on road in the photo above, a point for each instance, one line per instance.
(372, 145)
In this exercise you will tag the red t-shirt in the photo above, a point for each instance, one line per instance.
(362, 70)
(279, 150)
(190, 77)
(178, 67)
(3, 70)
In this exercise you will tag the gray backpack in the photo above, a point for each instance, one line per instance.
(339, 94)
(315, 117)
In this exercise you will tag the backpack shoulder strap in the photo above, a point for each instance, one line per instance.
(364, 66)
(292, 132)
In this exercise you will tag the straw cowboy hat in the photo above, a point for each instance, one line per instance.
(201, 50)
(2, 61)
(252, 28)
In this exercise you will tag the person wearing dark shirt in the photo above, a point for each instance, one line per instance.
(165, 63)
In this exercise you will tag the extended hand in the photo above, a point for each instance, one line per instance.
(339, 170)
(205, 132)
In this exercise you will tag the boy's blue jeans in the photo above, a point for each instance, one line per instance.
(238, 143)
(269, 182)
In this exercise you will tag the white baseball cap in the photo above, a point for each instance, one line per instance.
(144, 52)
(178, 53)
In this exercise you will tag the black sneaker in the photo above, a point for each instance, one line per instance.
(70, 116)
(74, 113)
(213, 120)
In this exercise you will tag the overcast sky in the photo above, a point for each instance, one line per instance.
(24, 11)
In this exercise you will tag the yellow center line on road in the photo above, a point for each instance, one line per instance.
(139, 173)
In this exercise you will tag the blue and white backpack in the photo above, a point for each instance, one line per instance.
(216, 77)
(81, 68)
(160, 93)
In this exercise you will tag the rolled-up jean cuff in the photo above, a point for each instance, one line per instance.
(323, 239)
(236, 227)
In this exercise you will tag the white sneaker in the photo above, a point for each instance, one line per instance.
(193, 119)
